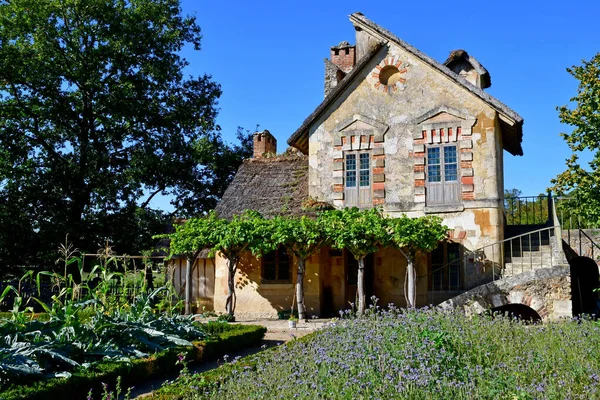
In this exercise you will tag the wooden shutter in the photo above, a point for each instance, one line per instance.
(443, 181)
(364, 181)
(351, 183)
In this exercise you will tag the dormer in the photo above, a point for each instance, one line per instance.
(469, 68)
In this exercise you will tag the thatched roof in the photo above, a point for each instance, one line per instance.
(271, 186)
(510, 122)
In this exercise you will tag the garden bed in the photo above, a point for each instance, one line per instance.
(416, 354)
(225, 339)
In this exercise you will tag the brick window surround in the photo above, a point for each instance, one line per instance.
(443, 127)
(359, 135)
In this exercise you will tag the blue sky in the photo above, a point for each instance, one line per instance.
(268, 57)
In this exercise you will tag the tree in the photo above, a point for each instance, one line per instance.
(301, 236)
(246, 232)
(521, 210)
(583, 184)
(410, 236)
(361, 232)
(96, 119)
(189, 239)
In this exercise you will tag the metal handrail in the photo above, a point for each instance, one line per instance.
(470, 255)
(486, 246)
(548, 228)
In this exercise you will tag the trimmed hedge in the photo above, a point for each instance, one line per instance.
(226, 340)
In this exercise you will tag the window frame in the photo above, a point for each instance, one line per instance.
(445, 248)
(357, 173)
(280, 258)
(443, 186)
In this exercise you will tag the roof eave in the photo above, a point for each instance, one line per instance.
(297, 139)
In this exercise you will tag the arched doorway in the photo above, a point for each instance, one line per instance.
(519, 311)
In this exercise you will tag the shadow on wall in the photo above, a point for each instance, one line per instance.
(584, 282)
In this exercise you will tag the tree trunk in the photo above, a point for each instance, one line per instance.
(188, 286)
(411, 295)
(361, 285)
(300, 289)
(230, 300)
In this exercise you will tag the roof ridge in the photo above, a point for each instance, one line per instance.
(360, 17)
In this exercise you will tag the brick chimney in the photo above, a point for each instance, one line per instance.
(264, 142)
(343, 59)
(343, 55)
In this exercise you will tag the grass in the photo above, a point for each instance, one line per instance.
(415, 355)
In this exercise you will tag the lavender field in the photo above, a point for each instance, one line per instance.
(416, 355)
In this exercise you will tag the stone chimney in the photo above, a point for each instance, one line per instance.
(264, 143)
(343, 59)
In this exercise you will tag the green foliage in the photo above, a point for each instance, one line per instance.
(418, 354)
(247, 231)
(233, 338)
(97, 117)
(579, 182)
(525, 210)
(416, 234)
(359, 231)
(300, 235)
(195, 235)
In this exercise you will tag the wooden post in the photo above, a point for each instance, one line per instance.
(188, 286)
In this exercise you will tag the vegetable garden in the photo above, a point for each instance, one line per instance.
(86, 332)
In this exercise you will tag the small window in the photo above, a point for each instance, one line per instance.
(445, 267)
(358, 179)
(442, 183)
(276, 267)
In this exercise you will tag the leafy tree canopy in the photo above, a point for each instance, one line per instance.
(194, 235)
(416, 234)
(96, 118)
(579, 182)
(247, 231)
(359, 231)
(302, 235)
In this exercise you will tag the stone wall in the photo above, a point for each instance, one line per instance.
(547, 291)
(574, 240)
(396, 123)
(259, 300)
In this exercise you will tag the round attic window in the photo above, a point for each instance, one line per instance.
(389, 75)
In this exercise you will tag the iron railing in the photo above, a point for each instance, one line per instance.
(494, 261)
(528, 210)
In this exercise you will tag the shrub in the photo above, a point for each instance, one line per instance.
(82, 380)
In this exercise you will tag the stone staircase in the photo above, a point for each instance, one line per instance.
(529, 250)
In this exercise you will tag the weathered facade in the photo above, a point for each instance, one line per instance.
(396, 130)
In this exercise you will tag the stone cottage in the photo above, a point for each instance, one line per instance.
(396, 130)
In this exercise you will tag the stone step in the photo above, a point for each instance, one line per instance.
(526, 253)
(532, 258)
(518, 269)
